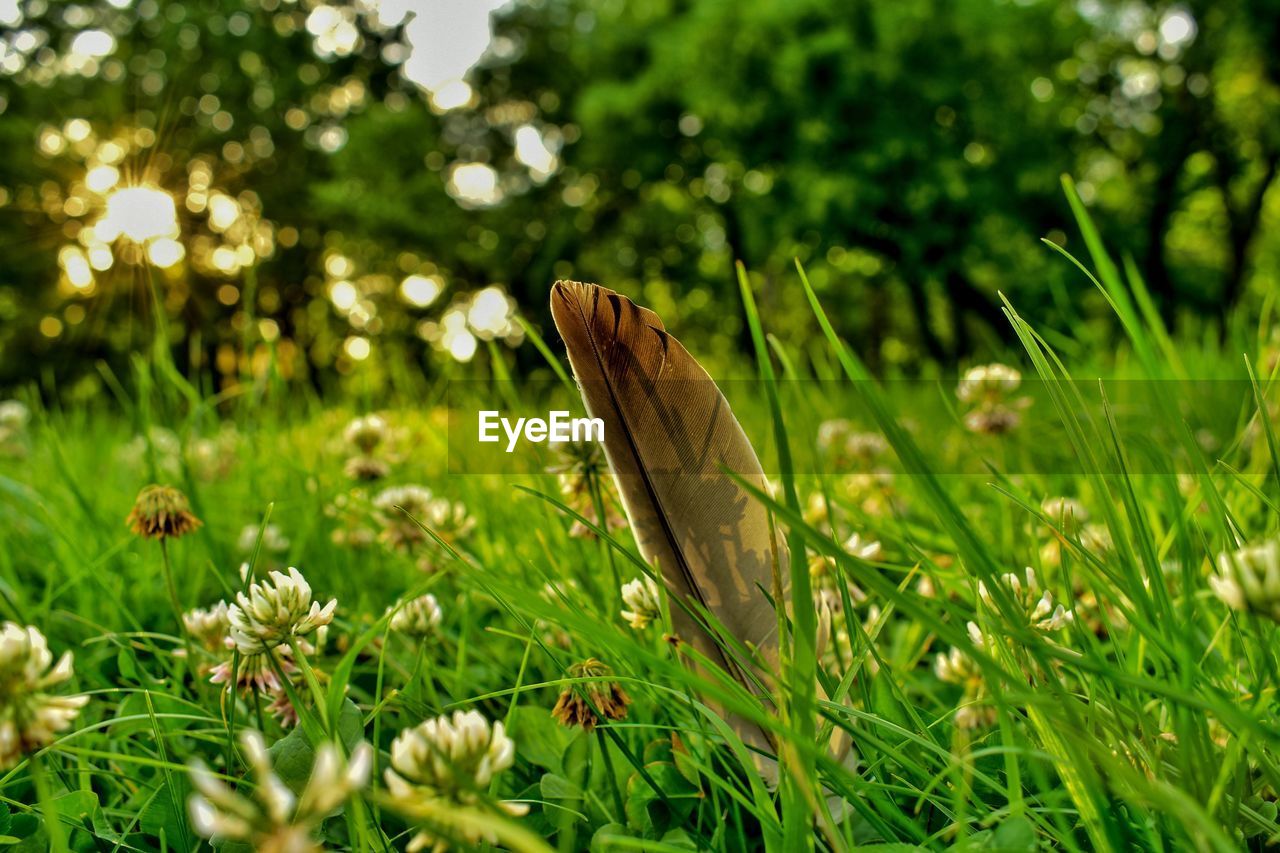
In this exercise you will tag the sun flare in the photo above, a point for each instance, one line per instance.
(139, 213)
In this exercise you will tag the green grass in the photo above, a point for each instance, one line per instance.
(1148, 722)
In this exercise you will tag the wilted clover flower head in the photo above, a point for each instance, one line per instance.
(30, 717)
(161, 512)
(275, 611)
(361, 467)
(366, 433)
(256, 671)
(448, 761)
(1249, 579)
(1037, 603)
(273, 820)
(584, 704)
(209, 626)
(418, 617)
(642, 602)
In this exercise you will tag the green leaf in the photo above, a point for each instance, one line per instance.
(542, 740)
(166, 815)
(294, 754)
(654, 815)
(556, 787)
(680, 839)
(76, 804)
(1015, 835)
(601, 840)
(135, 717)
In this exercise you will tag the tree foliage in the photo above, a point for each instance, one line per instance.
(908, 153)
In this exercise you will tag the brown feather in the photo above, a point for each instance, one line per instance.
(669, 437)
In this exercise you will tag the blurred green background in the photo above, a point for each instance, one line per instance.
(350, 191)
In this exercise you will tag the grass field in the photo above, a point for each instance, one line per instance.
(1035, 655)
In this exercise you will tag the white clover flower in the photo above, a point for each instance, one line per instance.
(1096, 538)
(1249, 579)
(14, 415)
(834, 644)
(210, 626)
(448, 762)
(448, 519)
(987, 389)
(400, 530)
(1036, 603)
(364, 434)
(414, 500)
(275, 611)
(956, 667)
(273, 539)
(864, 548)
(213, 456)
(988, 383)
(163, 443)
(273, 820)
(832, 433)
(643, 602)
(418, 617)
(838, 439)
(1067, 512)
(30, 717)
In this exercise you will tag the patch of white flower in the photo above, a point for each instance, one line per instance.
(273, 539)
(275, 611)
(30, 716)
(418, 617)
(642, 602)
(1038, 604)
(366, 433)
(444, 763)
(1248, 579)
(272, 818)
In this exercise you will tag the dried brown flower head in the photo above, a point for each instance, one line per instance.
(161, 512)
(579, 704)
(365, 468)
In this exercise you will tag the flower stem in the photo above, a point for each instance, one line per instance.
(428, 680)
(176, 603)
(171, 586)
(613, 778)
(602, 518)
(53, 824)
